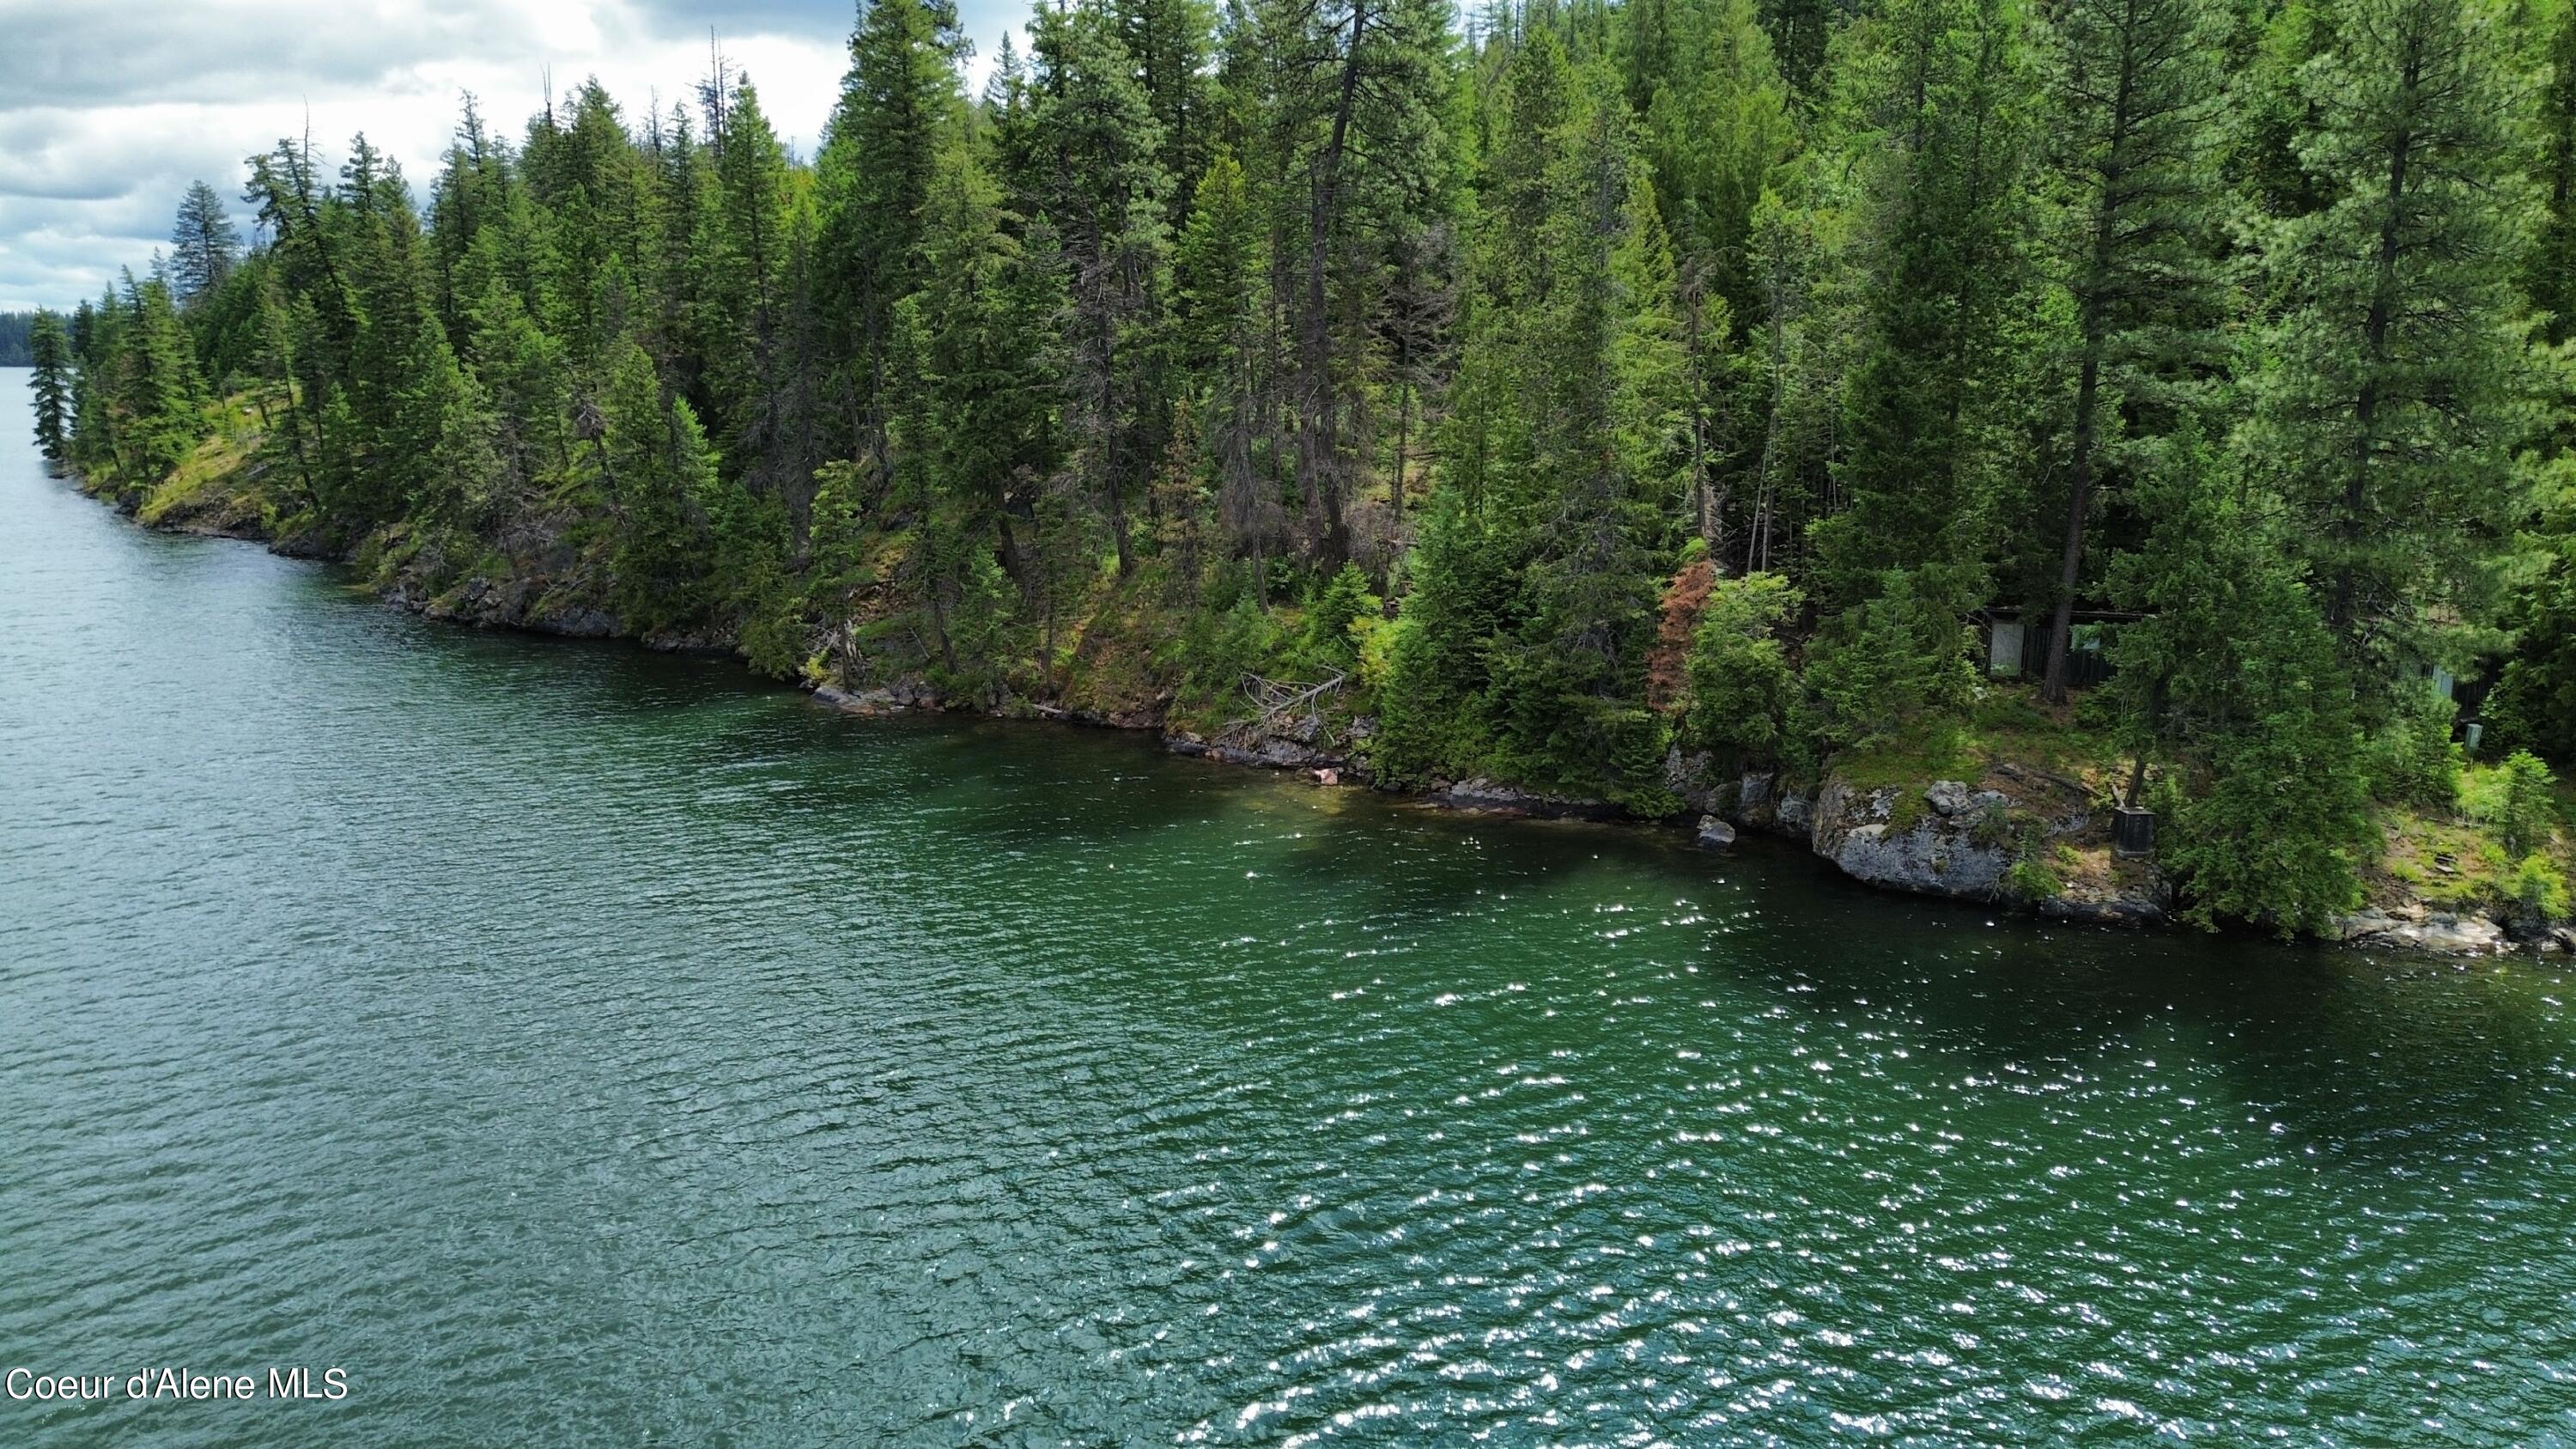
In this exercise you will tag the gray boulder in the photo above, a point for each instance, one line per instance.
(2414, 928)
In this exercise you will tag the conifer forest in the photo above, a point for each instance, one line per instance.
(2175, 394)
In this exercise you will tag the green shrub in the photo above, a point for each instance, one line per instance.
(1992, 827)
(1218, 648)
(2412, 761)
(1342, 602)
(1888, 662)
(2515, 798)
(773, 637)
(1740, 682)
(2276, 828)
(2539, 888)
(2029, 879)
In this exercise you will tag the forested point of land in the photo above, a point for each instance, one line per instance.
(1571, 389)
(15, 331)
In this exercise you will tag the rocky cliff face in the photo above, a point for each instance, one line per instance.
(513, 602)
(1951, 844)
(1952, 838)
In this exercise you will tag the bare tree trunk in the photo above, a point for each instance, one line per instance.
(1318, 432)
(2061, 623)
(2346, 610)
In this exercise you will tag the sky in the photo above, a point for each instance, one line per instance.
(109, 108)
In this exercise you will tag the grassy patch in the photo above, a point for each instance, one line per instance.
(1908, 811)
(2008, 724)
(214, 477)
(2455, 860)
(1944, 750)
(222, 476)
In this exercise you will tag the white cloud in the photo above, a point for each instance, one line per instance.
(108, 111)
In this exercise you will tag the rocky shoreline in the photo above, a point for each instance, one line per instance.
(1958, 843)
(1956, 839)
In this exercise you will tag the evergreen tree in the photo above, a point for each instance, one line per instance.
(2533, 706)
(974, 428)
(415, 436)
(742, 280)
(1359, 93)
(899, 97)
(2232, 680)
(2396, 381)
(1101, 186)
(654, 467)
(1170, 42)
(1801, 31)
(1574, 416)
(158, 396)
(2550, 271)
(594, 187)
(2133, 97)
(51, 348)
(1717, 124)
(204, 244)
(1919, 471)
(475, 191)
(1220, 330)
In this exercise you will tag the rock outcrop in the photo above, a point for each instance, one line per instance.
(2091, 904)
(899, 696)
(1934, 848)
(1498, 798)
(1955, 838)
(529, 604)
(2416, 928)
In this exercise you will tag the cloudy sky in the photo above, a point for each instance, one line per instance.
(108, 108)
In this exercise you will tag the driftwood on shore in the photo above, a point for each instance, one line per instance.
(1274, 700)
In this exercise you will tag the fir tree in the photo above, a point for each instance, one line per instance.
(657, 472)
(2233, 682)
(1170, 43)
(204, 244)
(1918, 473)
(741, 259)
(159, 397)
(1100, 184)
(2550, 271)
(2133, 115)
(974, 428)
(1220, 330)
(2396, 382)
(899, 97)
(51, 348)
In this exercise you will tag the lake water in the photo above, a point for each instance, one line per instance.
(571, 1044)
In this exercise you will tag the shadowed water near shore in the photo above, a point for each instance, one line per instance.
(579, 1045)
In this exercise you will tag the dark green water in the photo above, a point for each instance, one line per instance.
(576, 1045)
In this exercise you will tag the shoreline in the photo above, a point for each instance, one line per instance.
(1936, 838)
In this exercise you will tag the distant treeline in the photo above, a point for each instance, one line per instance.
(14, 327)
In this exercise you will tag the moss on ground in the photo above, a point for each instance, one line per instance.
(223, 479)
(2007, 725)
